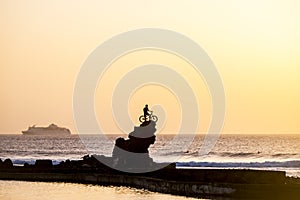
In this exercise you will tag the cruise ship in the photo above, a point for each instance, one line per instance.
(52, 129)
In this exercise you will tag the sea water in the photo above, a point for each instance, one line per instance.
(272, 152)
(236, 151)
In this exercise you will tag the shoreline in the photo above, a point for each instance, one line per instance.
(198, 183)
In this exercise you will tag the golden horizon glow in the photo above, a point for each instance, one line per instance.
(255, 46)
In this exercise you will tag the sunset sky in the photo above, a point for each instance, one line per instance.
(255, 46)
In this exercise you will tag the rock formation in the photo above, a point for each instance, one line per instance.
(7, 163)
(133, 152)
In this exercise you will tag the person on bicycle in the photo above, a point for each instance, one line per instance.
(146, 112)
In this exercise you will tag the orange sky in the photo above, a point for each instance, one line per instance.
(255, 46)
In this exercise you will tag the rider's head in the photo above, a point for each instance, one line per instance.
(146, 105)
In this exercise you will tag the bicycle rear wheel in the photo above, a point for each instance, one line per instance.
(142, 118)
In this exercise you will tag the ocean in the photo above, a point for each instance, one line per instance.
(272, 152)
(236, 151)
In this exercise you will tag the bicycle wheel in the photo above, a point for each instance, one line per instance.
(142, 118)
(154, 118)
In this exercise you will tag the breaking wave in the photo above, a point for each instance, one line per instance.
(266, 164)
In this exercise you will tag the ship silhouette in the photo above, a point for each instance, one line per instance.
(52, 129)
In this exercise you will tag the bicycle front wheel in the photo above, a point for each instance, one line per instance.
(154, 118)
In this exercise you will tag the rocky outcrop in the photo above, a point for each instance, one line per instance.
(133, 152)
(7, 164)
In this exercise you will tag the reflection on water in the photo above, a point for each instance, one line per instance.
(21, 190)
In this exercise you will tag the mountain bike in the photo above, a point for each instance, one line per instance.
(149, 117)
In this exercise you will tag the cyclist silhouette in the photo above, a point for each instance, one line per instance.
(146, 111)
(148, 115)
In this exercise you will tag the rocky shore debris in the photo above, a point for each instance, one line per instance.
(6, 164)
